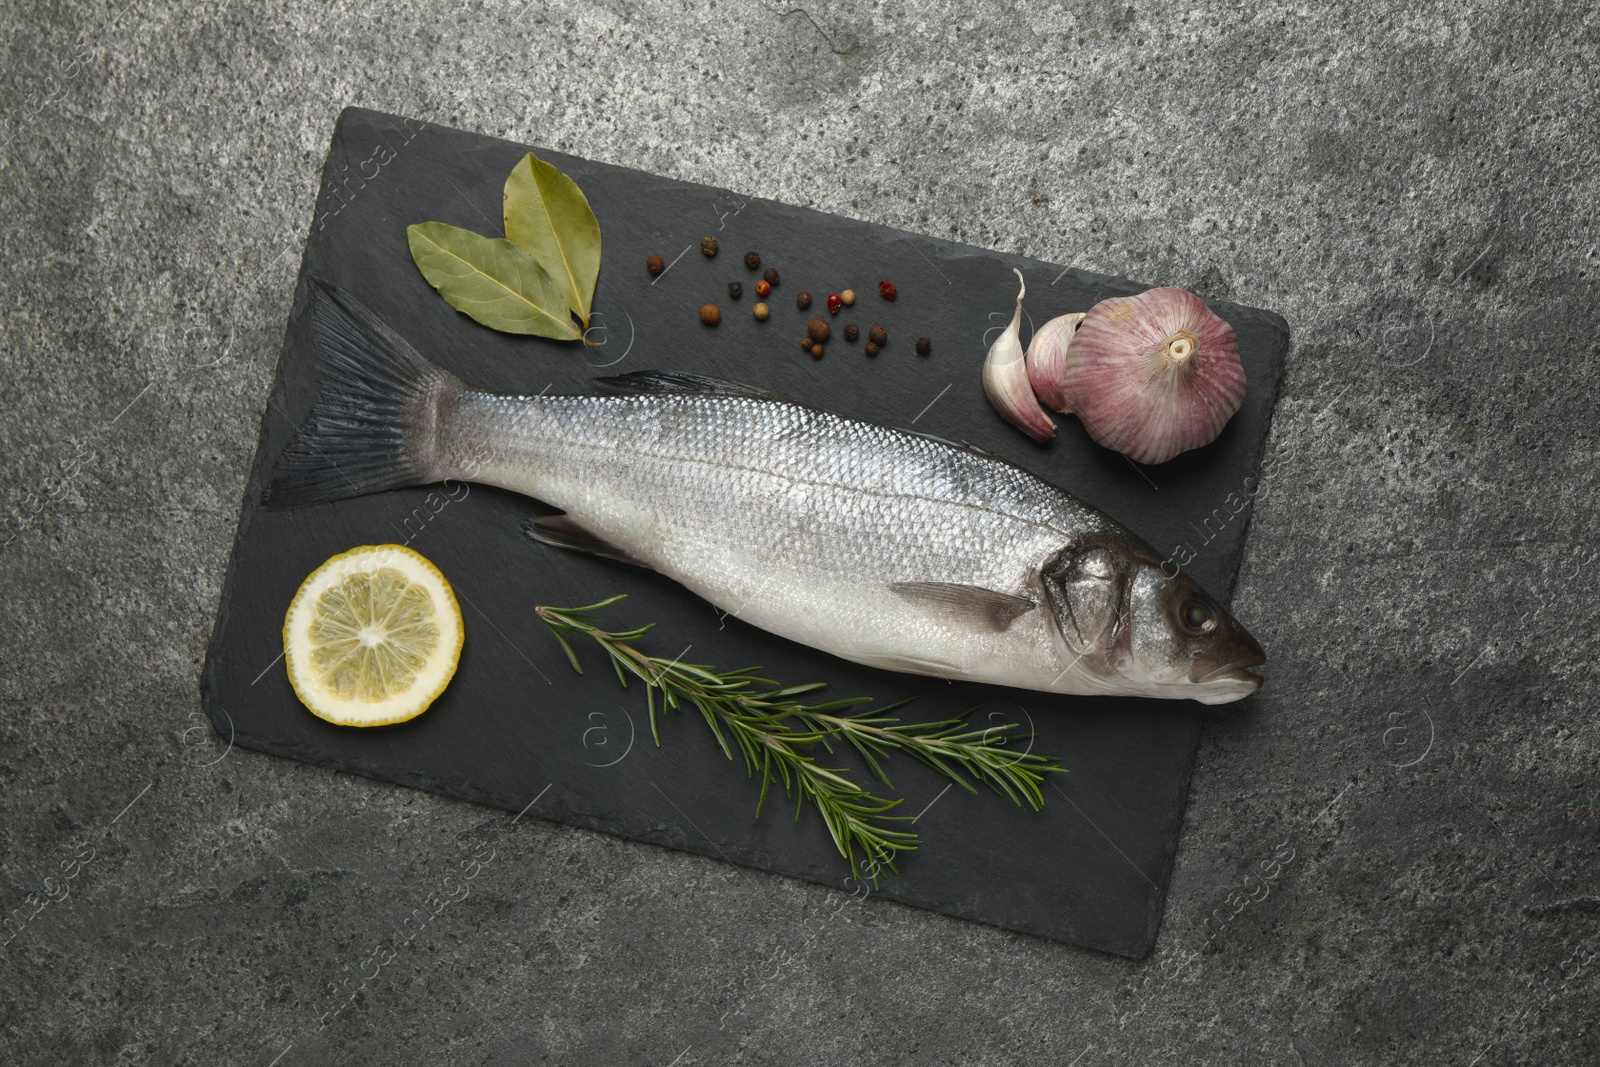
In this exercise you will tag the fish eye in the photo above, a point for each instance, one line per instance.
(1195, 616)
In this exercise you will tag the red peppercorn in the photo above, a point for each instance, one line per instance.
(887, 290)
(763, 287)
(834, 303)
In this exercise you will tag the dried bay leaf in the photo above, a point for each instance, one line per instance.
(492, 280)
(548, 216)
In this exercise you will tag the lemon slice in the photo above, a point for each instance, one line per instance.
(372, 637)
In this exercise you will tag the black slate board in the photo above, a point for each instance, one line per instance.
(518, 730)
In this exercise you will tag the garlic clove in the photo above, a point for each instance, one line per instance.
(1005, 379)
(1153, 375)
(1047, 355)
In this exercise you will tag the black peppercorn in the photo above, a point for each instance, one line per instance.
(802, 300)
(771, 276)
(751, 260)
(851, 332)
(735, 290)
(878, 336)
(871, 349)
(708, 245)
(924, 346)
(655, 265)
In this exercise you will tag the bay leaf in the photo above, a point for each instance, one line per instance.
(492, 280)
(548, 216)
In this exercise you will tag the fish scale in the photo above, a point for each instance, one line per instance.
(794, 519)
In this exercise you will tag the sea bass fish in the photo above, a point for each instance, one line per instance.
(886, 547)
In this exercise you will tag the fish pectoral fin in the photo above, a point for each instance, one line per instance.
(681, 382)
(972, 605)
(562, 531)
(894, 661)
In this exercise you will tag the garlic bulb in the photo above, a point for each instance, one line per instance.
(1005, 379)
(1153, 375)
(1047, 354)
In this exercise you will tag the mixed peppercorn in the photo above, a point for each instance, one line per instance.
(818, 331)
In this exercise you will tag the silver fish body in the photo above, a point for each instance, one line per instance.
(883, 546)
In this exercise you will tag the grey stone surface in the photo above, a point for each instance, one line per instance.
(1413, 188)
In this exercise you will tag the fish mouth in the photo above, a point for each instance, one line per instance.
(1237, 671)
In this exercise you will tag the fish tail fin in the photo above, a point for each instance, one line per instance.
(376, 424)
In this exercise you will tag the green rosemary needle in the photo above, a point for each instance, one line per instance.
(773, 732)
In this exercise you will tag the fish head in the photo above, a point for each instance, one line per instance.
(1127, 622)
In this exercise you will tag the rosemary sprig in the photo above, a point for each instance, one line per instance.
(947, 746)
(771, 731)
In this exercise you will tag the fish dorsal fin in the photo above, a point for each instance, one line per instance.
(560, 531)
(965, 446)
(972, 605)
(682, 382)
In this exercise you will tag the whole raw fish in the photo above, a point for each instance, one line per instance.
(886, 547)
